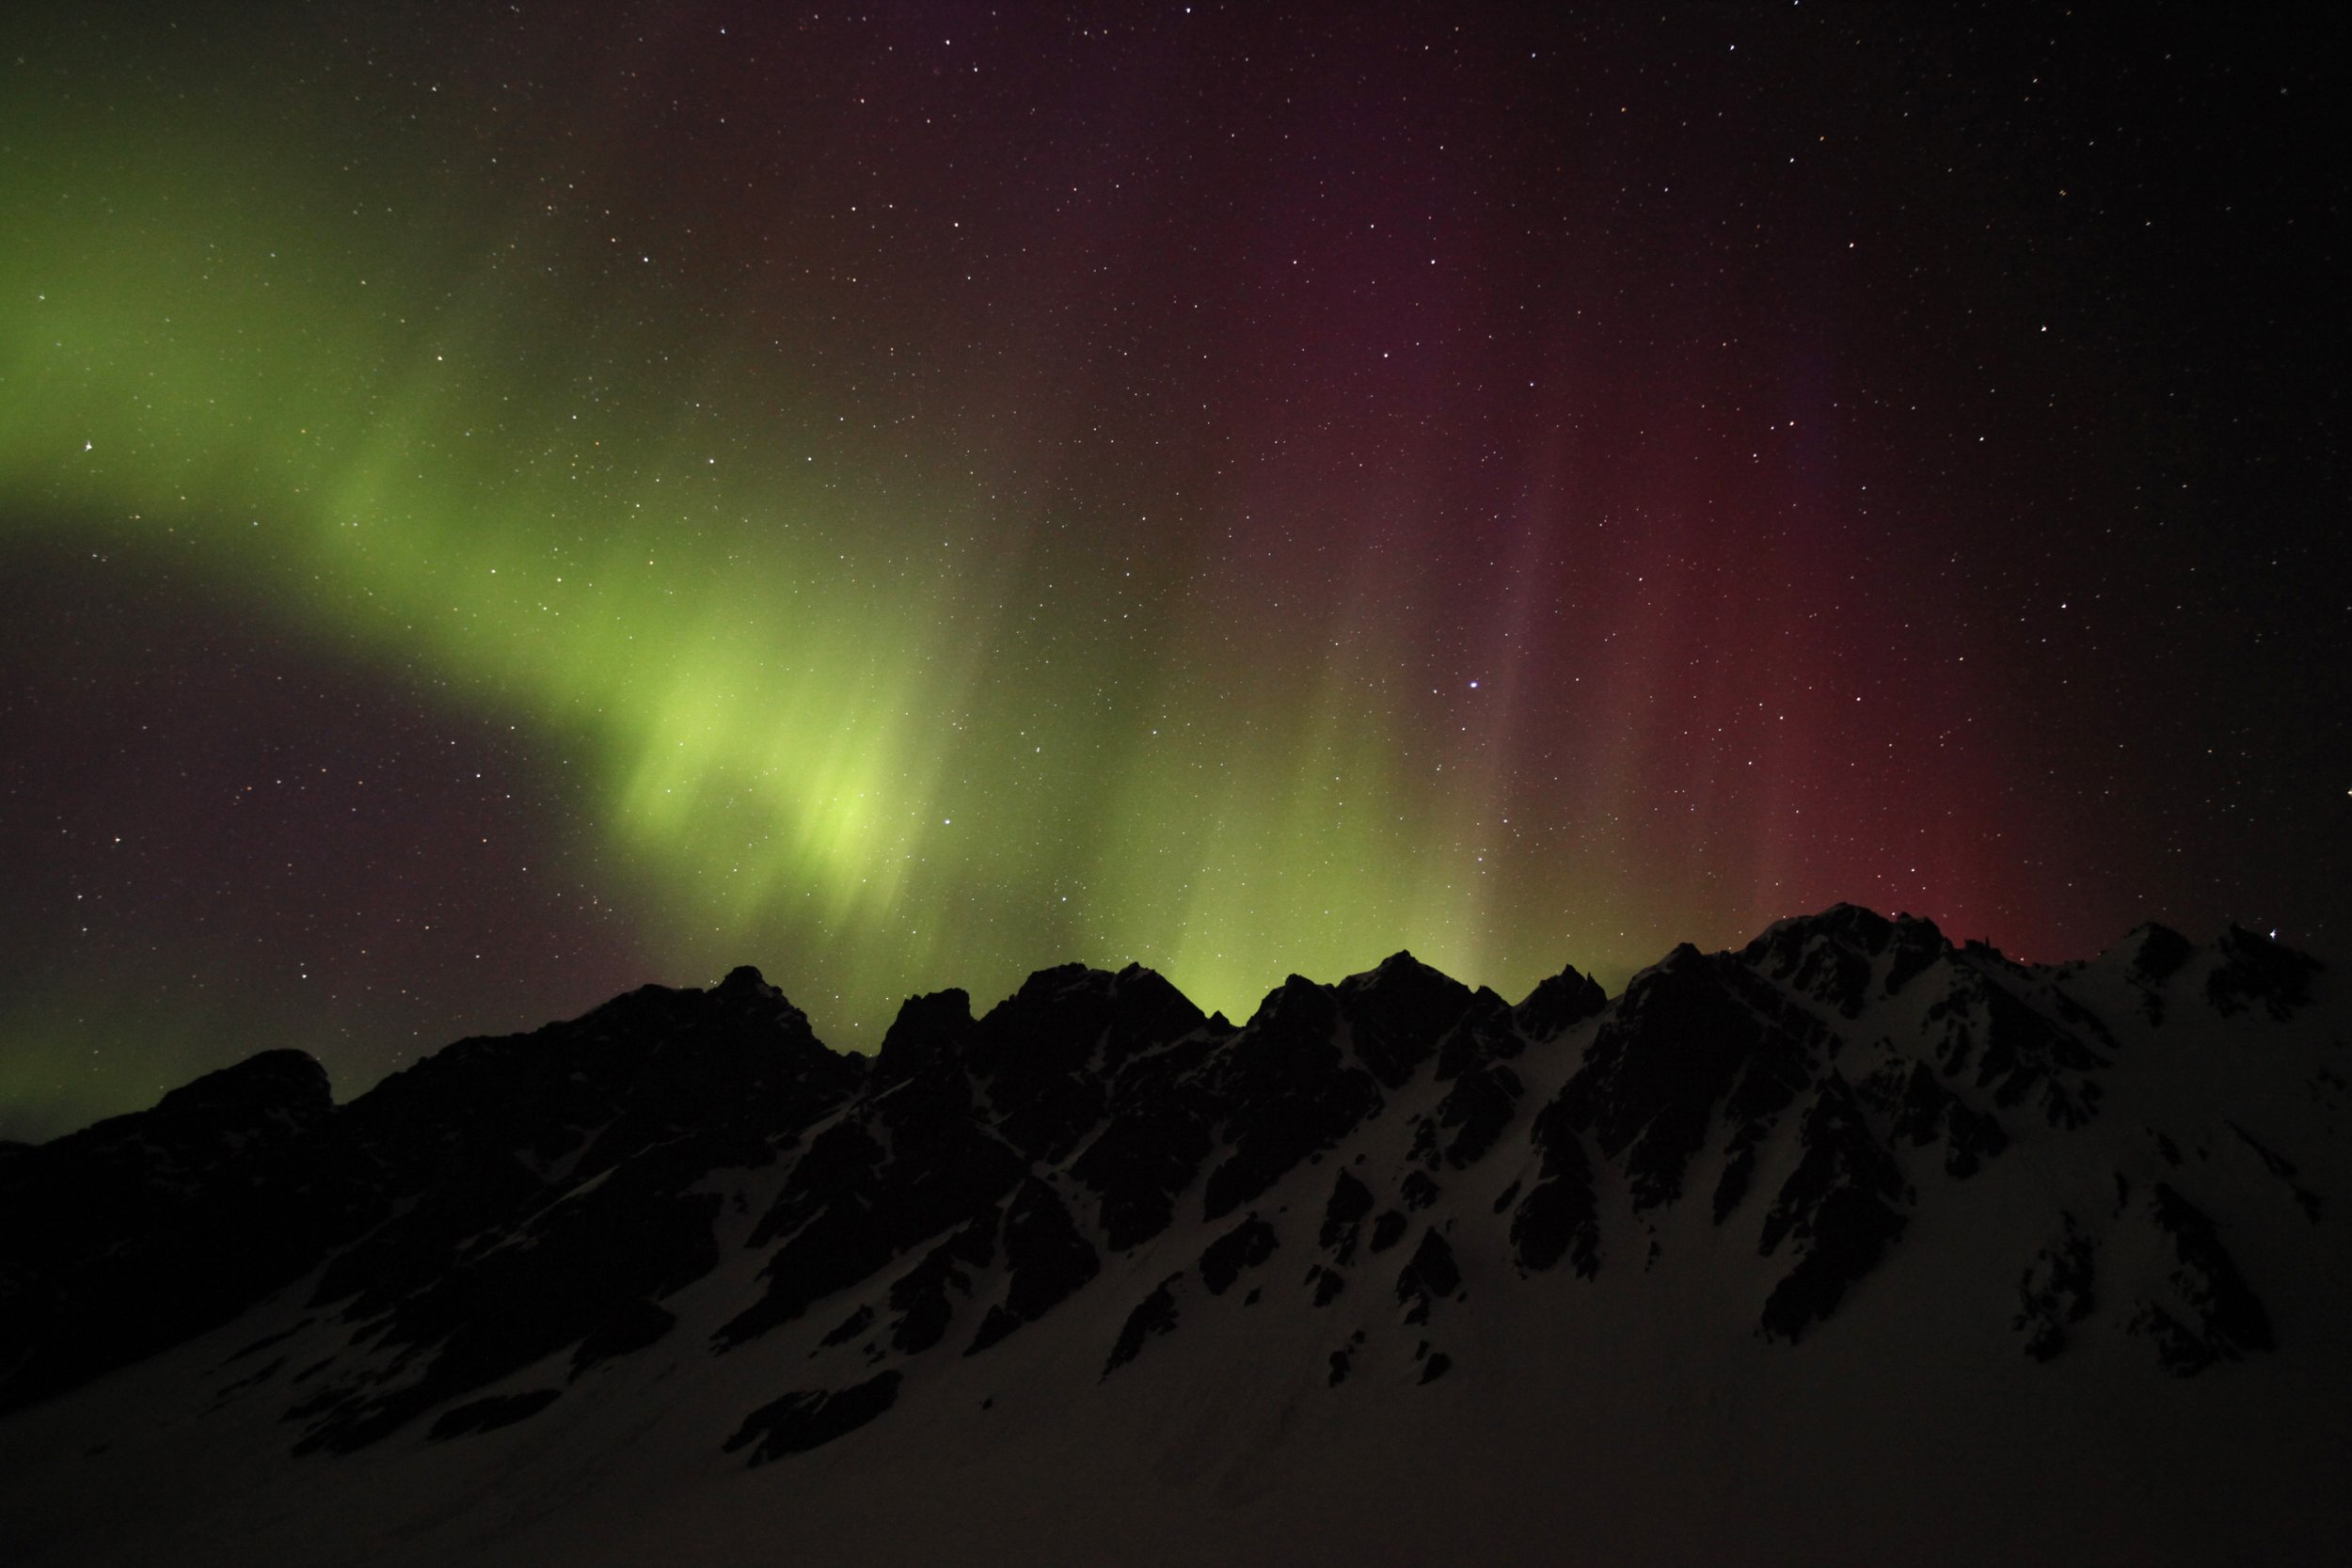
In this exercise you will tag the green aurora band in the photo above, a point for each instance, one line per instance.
(505, 503)
(837, 719)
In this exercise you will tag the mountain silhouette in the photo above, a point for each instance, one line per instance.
(1851, 1241)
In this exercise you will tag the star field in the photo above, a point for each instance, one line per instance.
(500, 504)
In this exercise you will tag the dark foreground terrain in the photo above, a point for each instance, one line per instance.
(1848, 1245)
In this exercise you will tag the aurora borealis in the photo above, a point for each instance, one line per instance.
(503, 504)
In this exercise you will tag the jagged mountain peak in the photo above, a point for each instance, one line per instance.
(284, 1080)
(2155, 950)
(2255, 968)
(1399, 969)
(1295, 992)
(1840, 955)
(1376, 1184)
(1557, 1003)
(927, 1027)
(1854, 924)
(744, 979)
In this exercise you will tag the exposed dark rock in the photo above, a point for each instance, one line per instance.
(2179, 1350)
(1838, 1153)
(495, 1309)
(1739, 1169)
(1247, 1245)
(625, 1331)
(1050, 1261)
(1292, 1094)
(1477, 1108)
(486, 1208)
(2085, 1024)
(1052, 1050)
(2158, 953)
(287, 1087)
(2215, 1314)
(1917, 944)
(2055, 1293)
(1688, 1036)
(499, 1410)
(1971, 1138)
(849, 1328)
(1924, 1111)
(1831, 957)
(924, 1297)
(1485, 1032)
(1431, 1273)
(2015, 1052)
(129, 1236)
(812, 1418)
(1397, 1013)
(1841, 1205)
(928, 1030)
(841, 1164)
(1153, 1316)
(1825, 957)
(515, 1201)
(833, 1251)
(2282, 1170)
(2256, 970)
(265, 1342)
(864, 1208)
(1350, 1201)
(259, 1375)
(1557, 1217)
(1142, 1160)
(1557, 1004)
(1438, 1363)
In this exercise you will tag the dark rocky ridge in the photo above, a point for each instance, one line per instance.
(542, 1198)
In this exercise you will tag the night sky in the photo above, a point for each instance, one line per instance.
(499, 503)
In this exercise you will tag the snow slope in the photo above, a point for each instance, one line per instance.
(1850, 1245)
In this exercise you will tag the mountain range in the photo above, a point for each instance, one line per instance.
(1850, 1244)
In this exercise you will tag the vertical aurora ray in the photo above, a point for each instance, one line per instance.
(762, 706)
(1241, 492)
(783, 686)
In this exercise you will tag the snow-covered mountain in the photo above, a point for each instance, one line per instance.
(1850, 1245)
